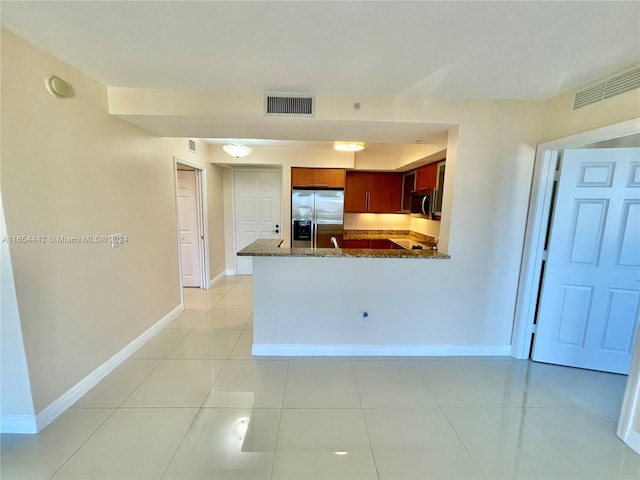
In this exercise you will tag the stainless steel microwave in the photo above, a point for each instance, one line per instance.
(421, 202)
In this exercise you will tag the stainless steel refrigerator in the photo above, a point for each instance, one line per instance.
(316, 216)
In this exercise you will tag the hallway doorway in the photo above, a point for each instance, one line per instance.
(190, 211)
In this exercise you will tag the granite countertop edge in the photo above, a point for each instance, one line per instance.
(271, 248)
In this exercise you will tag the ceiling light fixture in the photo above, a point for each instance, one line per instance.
(237, 149)
(349, 146)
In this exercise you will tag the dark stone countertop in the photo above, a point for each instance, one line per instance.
(271, 248)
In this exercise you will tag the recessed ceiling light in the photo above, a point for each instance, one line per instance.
(349, 146)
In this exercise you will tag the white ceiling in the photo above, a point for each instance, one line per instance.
(489, 50)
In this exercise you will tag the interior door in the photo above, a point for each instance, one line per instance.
(590, 299)
(189, 233)
(258, 204)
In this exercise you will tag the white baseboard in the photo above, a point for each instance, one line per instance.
(18, 424)
(379, 350)
(216, 278)
(222, 274)
(632, 439)
(58, 406)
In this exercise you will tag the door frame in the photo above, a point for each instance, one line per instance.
(533, 254)
(540, 207)
(233, 204)
(201, 212)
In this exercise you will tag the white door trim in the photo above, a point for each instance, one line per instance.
(537, 222)
(203, 226)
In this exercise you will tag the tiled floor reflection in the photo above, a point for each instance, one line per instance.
(194, 404)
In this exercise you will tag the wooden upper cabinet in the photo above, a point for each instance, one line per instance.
(385, 192)
(372, 192)
(318, 177)
(356, 192)
(426, 177)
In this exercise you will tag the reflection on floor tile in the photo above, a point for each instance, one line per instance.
(461, 384)
(505, 444)
(320, 384)
(193, 403)
(589, 439)
(227, 444)
(323, 444)
(249, 383)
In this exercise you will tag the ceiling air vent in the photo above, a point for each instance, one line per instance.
(608, 88)
(287, 104)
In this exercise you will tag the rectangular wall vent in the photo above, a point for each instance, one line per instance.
(608, 88)
(287, 104)
(192, 146)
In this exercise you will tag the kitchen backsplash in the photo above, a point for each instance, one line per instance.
(376, 221)
(391, 221)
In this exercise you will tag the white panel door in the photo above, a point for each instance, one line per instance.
(590, 299)
(189, 232)
(258, 207)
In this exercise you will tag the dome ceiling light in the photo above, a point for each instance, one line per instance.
(349, 146)
(237, 149)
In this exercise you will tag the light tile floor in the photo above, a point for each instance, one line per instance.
(194, 404)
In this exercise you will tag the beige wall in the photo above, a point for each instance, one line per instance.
(69, 168)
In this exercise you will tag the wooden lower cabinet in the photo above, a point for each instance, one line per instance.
(355, 244)
(382, 244)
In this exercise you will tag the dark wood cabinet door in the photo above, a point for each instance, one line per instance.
(355, 244)
(382, 244)
(356, 192)
(385, 192)
(426, 176)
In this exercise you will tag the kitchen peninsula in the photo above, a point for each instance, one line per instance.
(337, 302)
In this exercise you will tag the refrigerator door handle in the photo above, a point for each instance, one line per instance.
(314, 229)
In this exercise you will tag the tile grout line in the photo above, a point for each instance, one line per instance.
(364, 420)
(275, 447)
(464, 445)
(83, 443)
(199, 409)
(424, 382)
(542, 431)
